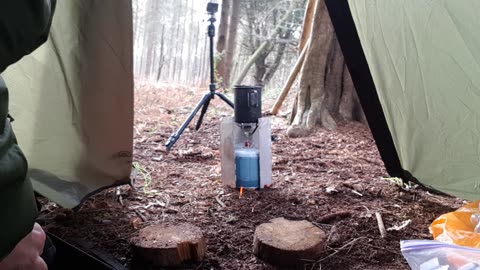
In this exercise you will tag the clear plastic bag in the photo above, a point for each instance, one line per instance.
(456, 244)
(435, 255)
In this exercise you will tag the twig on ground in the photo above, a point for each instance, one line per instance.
(220, 202)
(333, 230)
(347, 245)
(118, 192)
(376, 247)
(357, 193)
(333, 216)
(401, 226)
(381, 226)
(140, 215)
(171, 210)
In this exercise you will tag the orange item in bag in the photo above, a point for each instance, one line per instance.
(456, 227)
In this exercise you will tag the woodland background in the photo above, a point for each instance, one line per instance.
(326, 168)
(279, 44)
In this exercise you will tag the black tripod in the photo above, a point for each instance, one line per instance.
(205, 101)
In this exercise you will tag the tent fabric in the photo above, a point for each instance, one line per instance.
(424, 59)
(72, 101)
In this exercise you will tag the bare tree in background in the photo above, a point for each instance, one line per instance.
(223, 32)
(231, 42)
(150, 39)
(266, 30)
(161, 58)
(168, 40)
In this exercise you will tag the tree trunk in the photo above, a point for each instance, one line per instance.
(161, 60)
(173, 40)
(231, 41)
(347, 102)
(191, 41)
(358, 114)
(222, 38)
(175, 55)
(182, 42)
(137, 20)
(334, 78)
(224, 25)
(278, 59)
(148, 40)
(180, 63)
(194, 71)
(251, 61)
(311, 109)
(326, 91)
(149, 56)
(141, 69)
(204, 60)
(261, 65)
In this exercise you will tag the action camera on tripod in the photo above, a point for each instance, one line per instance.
(212, 8)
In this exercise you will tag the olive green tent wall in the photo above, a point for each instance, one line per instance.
(424, 59)
(72, 101)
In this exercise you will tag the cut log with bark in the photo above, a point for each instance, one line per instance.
(168, 246)
(289, 244)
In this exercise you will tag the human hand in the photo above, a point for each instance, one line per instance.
(26, 254)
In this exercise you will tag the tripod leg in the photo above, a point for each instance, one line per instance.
(202, 114)
(224, 98)
(175, 136)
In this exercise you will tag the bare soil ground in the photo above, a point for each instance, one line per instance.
(334, 179)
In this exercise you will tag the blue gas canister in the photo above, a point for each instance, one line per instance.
(247, 168)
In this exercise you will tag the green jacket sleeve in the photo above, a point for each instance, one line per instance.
(24, 26)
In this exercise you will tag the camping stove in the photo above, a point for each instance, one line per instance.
(246, 153)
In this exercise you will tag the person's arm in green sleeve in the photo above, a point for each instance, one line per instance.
(24, 26)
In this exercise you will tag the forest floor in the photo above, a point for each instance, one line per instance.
(335, 179)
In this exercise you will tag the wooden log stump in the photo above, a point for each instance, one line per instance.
(168, 246)
(286, 243)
